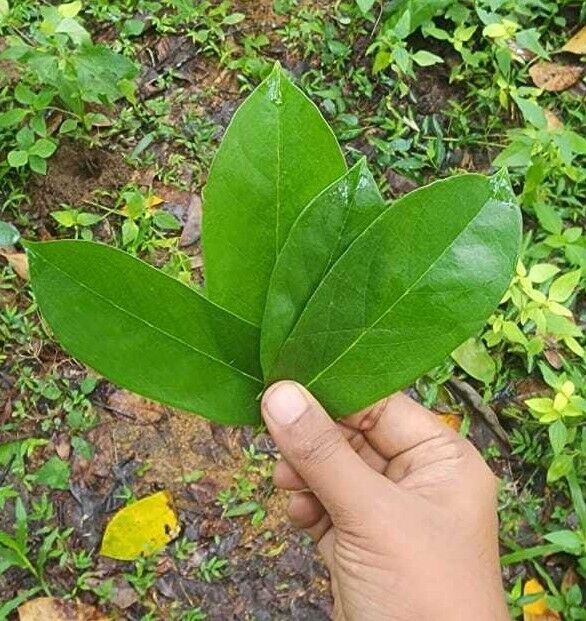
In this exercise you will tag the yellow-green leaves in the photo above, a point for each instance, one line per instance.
(473, 357)
(310, 275)
(565, 402)
(277, 154)
(141, 529)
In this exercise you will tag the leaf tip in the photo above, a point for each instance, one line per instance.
(273, 83)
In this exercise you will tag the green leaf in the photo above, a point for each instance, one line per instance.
(9, 234)
(529, 39)
(24, 95)
(566, 539)
(560, 467)
(65, 217)
(43, 148)
(516, 155)
(419, 280)
(69, 125)
(17, 158)
(382, 60)
(244, 508)
(133, 27)
(558, 436)
(129, 232)
(233, 18)
(324, 230)
(532, 112)
(54, 474)
(365, 5)
(74, 30)
(277, 154)
(549, 218)
(146, 331)
(38, 164)
(541, 272)
(563, 287)
(4, 8)
(88, 219)
(426, 59)
(419, 13)
(12, 117)
(473, 357)
(166, 221)
(70, 9)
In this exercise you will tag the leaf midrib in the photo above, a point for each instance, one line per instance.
(146, 322)
(401, 297)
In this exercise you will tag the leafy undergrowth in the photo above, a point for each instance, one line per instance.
(110, 114)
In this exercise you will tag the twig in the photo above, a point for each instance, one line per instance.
(465, 392)
(105, 406)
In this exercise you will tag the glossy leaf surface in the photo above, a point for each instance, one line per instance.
(146, 331)
(418, 281)
(323, 231)
(277, 154)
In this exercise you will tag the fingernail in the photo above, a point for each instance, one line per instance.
(285, 403)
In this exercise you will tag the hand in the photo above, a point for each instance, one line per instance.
(403, 510)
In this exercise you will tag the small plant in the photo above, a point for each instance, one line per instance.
(310, 275)
(15, 548)
(213, 569)
(62, 71)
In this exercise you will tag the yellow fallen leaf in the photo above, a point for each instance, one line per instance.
(142, 528)
(154, 200)
(577, 44)
(537, 610)
(52, 609)
(451, 420)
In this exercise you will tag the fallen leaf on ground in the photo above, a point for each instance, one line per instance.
(577, 44)
(18, 262)
(552, 120)
(569, 580)
(139, 409)
(538, 609)
(451, 420)
(192, 228)
(142, 528)
(52, 609)
(154, 200)
(555, 76)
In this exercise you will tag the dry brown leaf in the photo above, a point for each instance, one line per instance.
(577, 44)
(451, 420)
(569, 580)
(537, 610)
(137, 408)
(52, 609)
(17, 261)
(192, 229)
(553, 121)
(551, 355)
(555, 76)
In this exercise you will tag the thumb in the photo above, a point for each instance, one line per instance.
(314, 446)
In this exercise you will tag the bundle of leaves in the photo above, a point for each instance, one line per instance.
(310, 275)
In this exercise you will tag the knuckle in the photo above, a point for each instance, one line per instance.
(317, 449)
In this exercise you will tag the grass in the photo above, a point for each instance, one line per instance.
(444, 88)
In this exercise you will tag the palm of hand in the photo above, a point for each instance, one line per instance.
(407, 503)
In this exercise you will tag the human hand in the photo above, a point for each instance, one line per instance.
(403, 510)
